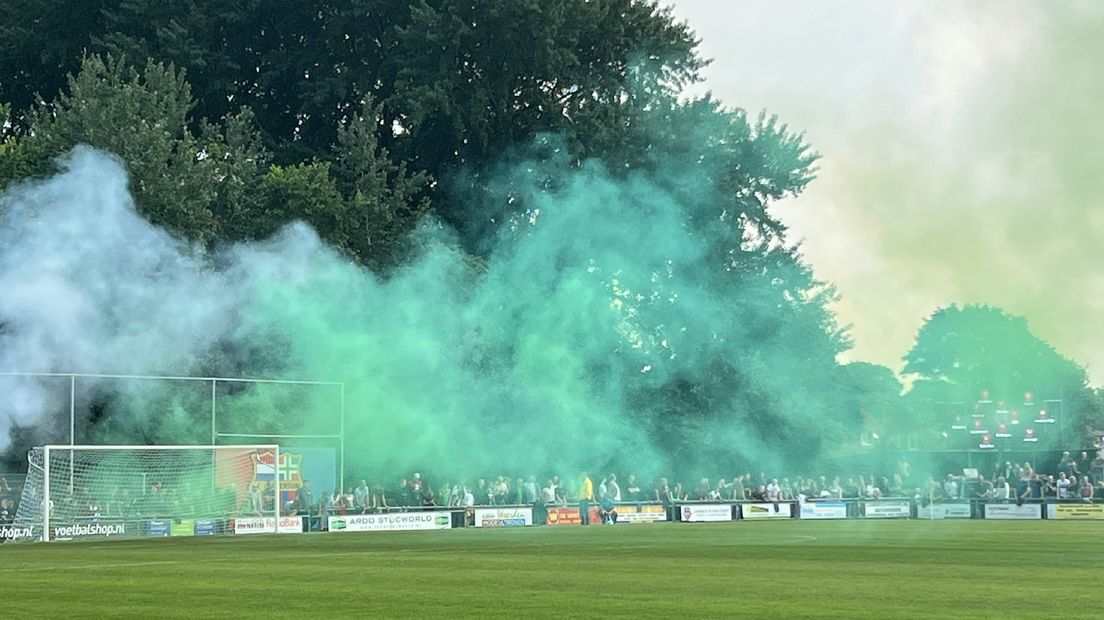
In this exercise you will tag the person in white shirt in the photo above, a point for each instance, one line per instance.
(951, 486)
(469, 498)
(1002, 490)
(1062, 484)
(613, 488)
(774, 492)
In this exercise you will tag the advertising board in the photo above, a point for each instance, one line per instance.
(206, 527)
(182, 527)
(159, 527)
(1076, 511)
(92, 530)
(16, 532)
(391, 522)
(641, 513)
(943, 511)
(1012, 511)
(504, 517)
(255, 525)
(569, 515)
(773, 510)
(700, 513)
(824, 510)
(892, 509)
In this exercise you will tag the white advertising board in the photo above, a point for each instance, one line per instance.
(391, 522)
(943, 511)
(824, 510)
(697, 513)
(1012, 511)
(267, 525)
(894, 509)
(503, 517)
(780, 510)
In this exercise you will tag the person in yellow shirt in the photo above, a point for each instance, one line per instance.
(586, 495)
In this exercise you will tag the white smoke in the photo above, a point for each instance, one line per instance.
(87, 285)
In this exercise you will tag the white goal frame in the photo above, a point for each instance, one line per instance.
(118, 448)
(260, 434)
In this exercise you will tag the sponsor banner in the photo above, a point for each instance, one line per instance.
(291, 525)
(886, 510)
(503, 517)
(943, 511)
(89, 530)
(158, 527)
(15, 532)
(779, 510)
(391, 522)
(182, 527)
(255, 525)
(1076, 511)
(206, 527)
(824, 510)
(1012, 511)
(569, 515)
(641, 513)
(698, 513)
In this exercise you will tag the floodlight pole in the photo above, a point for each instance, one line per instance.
(72, 424)
(214, 432)
(341, 445)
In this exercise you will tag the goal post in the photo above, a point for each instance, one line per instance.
(83, 491)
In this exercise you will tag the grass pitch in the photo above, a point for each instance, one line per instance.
(792, 569)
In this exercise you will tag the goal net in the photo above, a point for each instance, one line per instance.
(126, 491)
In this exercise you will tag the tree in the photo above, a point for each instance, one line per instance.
(961, 351)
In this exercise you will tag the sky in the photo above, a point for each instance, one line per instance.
(962, 154)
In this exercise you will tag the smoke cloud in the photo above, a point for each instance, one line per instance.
(596, 291)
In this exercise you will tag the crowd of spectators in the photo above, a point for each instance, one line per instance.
(1073, 480)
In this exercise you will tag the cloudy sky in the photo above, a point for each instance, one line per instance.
(963, 154)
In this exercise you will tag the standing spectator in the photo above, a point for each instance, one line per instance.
(613, 488)
(586, 496)
(482, 493)
(836, 490)
(739, 493)
(402, 494)
(950, 487)
(1002, 491)
(530, 488)
(1083, 464)
(603, 487)
(633, 492)
(361, 497)
(1062, 484)
(304, 499)
(548, 493)
(1066, 465)
(774, 492)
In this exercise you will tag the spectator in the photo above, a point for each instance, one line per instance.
(482, 493)
(835, 491)
(1066, 465)
(738, 490)
(950, 487)
(850, 490)
(1062, 484)
(402, 494)
(586, 496)
(613, 488)
(548, 493)
(530, 490)
(1002, 491)
(469, 497)
(1087, 490)
(774, 492)
(304, 499)
(633, 492)
(607, 510)
(1083, 464)
(361, 497)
